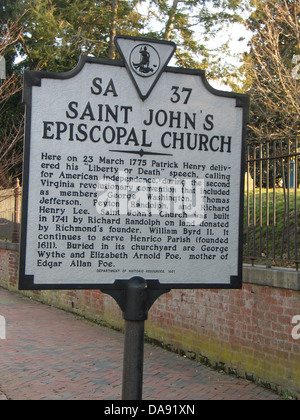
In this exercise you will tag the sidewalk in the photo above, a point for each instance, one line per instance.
(52, 354)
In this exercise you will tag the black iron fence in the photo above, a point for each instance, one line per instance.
(10, 213)
(272, 204)
(271, 212)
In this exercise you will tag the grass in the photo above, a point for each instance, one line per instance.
(270, 221)
(272, 227)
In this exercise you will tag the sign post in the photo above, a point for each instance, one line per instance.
(133, 183)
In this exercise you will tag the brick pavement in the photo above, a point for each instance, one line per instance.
(50, 354)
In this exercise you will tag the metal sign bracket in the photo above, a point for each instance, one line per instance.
(135, 300)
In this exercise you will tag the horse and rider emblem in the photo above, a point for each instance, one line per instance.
(144, 60)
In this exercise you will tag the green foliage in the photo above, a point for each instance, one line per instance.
(57, 32)
(191, 24)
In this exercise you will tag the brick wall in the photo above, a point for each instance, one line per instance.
(9, 259)
(246, 332)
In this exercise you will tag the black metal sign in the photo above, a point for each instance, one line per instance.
(132, 168)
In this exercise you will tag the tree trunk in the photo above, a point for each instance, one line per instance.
(169, 25)
(112, 49)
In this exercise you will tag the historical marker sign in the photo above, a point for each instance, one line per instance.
(132, 168)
